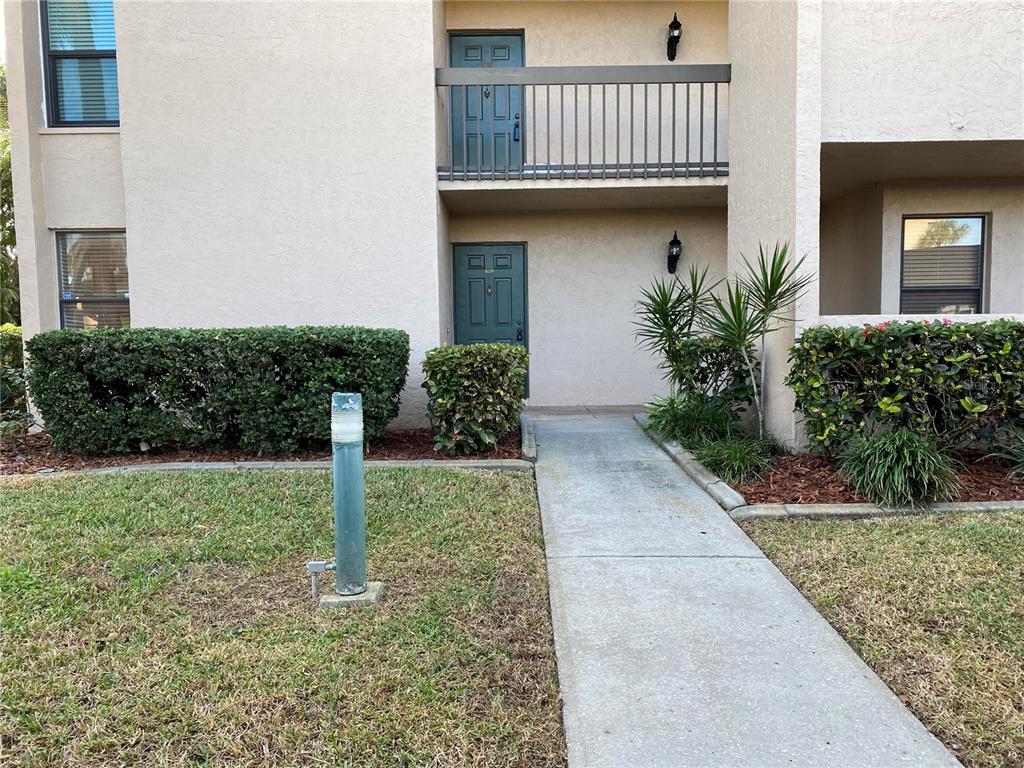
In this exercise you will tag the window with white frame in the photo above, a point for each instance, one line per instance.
(80, 57)
(943, 264)
(93, 280)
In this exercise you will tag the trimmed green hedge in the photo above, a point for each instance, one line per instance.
(14, 416)
(475, 394)
(259, 389)
(961, 382)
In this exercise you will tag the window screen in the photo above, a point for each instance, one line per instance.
(943, 257)
(81, 62)
(93, 279)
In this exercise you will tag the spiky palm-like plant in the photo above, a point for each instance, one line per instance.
(754, 305)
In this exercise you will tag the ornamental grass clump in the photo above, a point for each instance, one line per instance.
(737, 460)
(899, 468)
(1010, 449)
(694, 420)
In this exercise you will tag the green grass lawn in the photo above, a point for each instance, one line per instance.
(158, 619)
(935, 605)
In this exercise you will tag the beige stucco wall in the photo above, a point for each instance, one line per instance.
(585, 270)
(851, 247)
(297, 185)
(922, 71)
(609, 33)
(774, 175)
(1002, 200)
(83, 179)
(601, 33)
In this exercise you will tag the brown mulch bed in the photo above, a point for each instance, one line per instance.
(34, 453)
(811, 479)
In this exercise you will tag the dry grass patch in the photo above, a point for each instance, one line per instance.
(935, 605)
(165, 620)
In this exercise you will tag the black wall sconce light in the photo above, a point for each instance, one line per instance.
(675, 250)
(675, 33)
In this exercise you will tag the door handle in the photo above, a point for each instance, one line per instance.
(519, 334)
(487, 92)
(515, 129)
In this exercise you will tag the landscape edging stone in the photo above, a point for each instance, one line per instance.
(729, 499)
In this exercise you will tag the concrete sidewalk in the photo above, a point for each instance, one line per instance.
(679, 644)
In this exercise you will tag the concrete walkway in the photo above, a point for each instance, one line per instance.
(679, 644)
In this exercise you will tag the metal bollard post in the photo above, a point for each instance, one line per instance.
(349, 494)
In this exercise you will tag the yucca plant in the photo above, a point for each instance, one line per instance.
(755, 305)
(667, 313)
(900, 468)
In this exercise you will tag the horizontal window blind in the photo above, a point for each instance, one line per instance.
(81, 62)
(943, 259)
(80, 25)
(946, 302)
(86, 90)
(94, 279)
(947, 265)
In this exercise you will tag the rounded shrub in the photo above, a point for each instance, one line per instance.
(475, 394)
(899, 468)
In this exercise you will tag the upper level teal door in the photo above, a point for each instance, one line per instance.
(489, 293)
(486, 119)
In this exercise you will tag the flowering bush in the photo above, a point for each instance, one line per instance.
(961, 382)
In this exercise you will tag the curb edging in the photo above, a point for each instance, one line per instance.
(732, 502)
(727, 497)
(862, 511)
(529, 438)
(489, 465)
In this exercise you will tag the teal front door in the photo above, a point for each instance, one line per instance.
(487, 119)
(489, 293)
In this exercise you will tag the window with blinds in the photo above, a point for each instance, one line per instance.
(81, 62)
(93, 280)
(943, 261)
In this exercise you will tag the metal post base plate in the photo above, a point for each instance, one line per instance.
(371, 596)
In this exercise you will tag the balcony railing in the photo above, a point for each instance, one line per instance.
(583, 122)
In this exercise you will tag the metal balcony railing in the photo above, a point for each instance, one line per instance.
(583, 122)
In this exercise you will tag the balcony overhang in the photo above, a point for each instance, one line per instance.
(583, 194)
(846, 166)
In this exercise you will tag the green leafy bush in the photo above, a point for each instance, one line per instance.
(260, 389)
(900, 468)
(707, 367)
(692, 420)
(737, 460)
(475, 394)
(14, 416)
(961, 382)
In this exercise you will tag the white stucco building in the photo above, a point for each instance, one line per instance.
(512, 170)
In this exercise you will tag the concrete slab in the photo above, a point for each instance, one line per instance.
(700, 661)
(678, 642)
(639, 508)
(372, 595)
